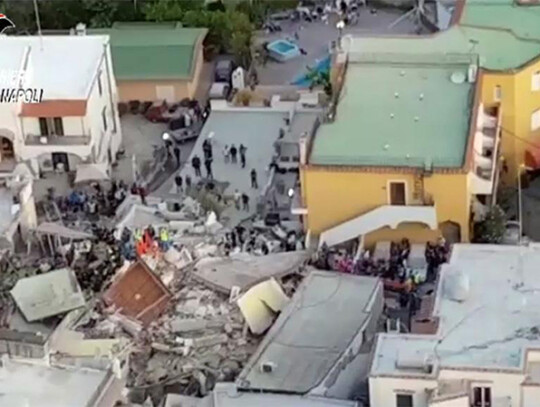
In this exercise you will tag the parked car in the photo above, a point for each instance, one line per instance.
(219, 91)
(182, 135)
(224, 70)
(163, 113)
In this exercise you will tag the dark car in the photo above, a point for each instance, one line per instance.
(160, 112)
(224, 69)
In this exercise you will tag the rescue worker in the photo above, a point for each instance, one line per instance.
(164, 239)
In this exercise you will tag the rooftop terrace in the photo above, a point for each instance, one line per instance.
(490, 329)
(400, 110)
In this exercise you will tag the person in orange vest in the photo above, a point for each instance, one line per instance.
(141, 248)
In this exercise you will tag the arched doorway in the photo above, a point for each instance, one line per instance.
(6, 149)
(451, 231)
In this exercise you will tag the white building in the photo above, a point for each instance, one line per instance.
(75, 119)
(486, 352)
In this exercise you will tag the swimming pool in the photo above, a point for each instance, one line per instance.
(321, 65)
(283, 50)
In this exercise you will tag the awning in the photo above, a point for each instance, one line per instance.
(56, 229)
(92, 172)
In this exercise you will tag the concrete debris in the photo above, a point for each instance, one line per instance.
(210, 340)
(131, 326)
(188, 325)
(260, 304)
(244, 270)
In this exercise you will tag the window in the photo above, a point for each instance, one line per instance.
(51, 126)
(404, 400)
(535, 120)
(104, 117)
(481, 397)
(497, 94)
(535, 81)
(397, 194)
(100, 88)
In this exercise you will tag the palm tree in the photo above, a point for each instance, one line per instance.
(319, 78)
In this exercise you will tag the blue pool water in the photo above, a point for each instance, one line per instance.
(283, 46)
(322, 65)
(283, 50)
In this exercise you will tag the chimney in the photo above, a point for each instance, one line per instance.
(80, 29)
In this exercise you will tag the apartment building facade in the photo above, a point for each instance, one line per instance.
(409, 151)
(75, 119)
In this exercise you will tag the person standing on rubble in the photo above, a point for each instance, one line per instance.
(196, 163)
(243, 150)
(254, 183)
(164, 239)
(233, 152)
(208, 166)
(245, 201)
(178, 181)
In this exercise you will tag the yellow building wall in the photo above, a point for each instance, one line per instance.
(518, 102)
(333, 196)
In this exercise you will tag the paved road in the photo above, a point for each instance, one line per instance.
(315, 38)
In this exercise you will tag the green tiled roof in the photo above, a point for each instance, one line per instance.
(523, 21)
(398, 114)
(497, 49)
(152, 51)
(504, 36)
(503, 27)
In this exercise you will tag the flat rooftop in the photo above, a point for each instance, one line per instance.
(399, 111)
(490, 329)
(311, 333)
(23, 385)
(71, 79)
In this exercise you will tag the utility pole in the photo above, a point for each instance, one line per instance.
(38, 23)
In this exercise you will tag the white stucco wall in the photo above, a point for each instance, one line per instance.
(456, 402)
(531, 396)
(503, 386)
(89, 125)
(383, 391)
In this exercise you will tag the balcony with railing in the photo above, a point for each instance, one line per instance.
(486, 144)
(67, 140)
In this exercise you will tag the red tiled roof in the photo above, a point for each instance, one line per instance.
(54, 108)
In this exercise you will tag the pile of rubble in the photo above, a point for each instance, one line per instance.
(201, 339)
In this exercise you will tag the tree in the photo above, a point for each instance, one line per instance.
(241, 34)
(171, 10)
(492, 228)
(319, 78)
(101, 13)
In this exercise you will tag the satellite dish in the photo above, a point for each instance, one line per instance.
(457, 77)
